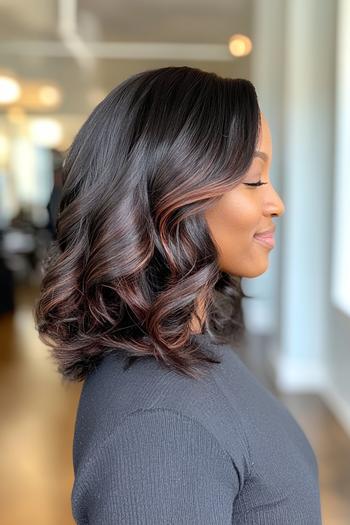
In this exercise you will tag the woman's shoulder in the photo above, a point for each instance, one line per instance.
(147, 382)
(111, 393)
(114, 390)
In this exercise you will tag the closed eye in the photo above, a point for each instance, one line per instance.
(255, 183)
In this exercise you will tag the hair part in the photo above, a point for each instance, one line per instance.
(133, 252)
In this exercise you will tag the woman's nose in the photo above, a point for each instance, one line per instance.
(275, 204)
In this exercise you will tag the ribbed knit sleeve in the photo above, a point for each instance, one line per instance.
(158, 466)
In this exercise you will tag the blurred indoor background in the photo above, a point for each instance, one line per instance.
(58, 59)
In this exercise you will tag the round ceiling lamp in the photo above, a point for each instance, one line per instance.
(10, 89)
(240, 45)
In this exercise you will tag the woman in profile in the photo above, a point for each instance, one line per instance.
(166, 205)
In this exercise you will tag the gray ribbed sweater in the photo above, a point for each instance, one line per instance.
(154, 447)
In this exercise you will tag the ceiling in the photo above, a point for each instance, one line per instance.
(89, 46)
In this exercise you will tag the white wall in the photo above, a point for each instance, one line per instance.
(308, 173)
(293, 71)
(338, 351)
(341, 236)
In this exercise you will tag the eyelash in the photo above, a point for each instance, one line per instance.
(255, 183)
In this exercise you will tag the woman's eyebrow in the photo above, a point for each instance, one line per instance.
(262, 155)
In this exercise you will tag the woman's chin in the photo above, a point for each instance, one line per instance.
(258, 270)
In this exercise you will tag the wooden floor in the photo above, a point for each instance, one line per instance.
(332, 447)
(37, 422)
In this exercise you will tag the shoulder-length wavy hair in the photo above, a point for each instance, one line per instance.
(133, 253)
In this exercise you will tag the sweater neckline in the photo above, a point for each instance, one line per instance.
(203, 338)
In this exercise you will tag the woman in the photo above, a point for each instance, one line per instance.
(166, 201)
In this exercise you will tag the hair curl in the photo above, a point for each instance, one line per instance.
(133, 252)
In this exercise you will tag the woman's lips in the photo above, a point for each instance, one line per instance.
(266, 240)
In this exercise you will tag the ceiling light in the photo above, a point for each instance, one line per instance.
(10, 90)
(240, 45)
